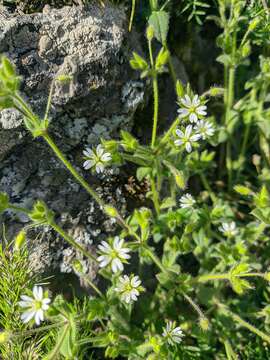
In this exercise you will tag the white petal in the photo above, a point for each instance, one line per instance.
(117, 265)
(27, 316)
(38, 316)
(178, 142)
(25, 304)
(179, 133)
(26, 298)
(124, 255)
(88, 152)
(196, 100)
(195, 137)
(188, 131)
(186, 101)
(99, 150)
(99, 167)
(188, 147)
(38, 292)
(106, 157)
(88, 164)
(45, 307)
(193, 118)
(135, 282)
(183, 112)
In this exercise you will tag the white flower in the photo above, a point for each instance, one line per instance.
(35, 306)
(187, 201)
(172, 334)
(129, 288)
(113, 255)
(192, 108)
(228, 229)
(186, 138)
(96, 158)
(204, 128)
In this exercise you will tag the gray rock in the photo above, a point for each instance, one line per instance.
(90, 47)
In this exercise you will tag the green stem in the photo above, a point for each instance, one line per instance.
(72, 170)
(19, 209)
(209, 277)
(168, 133)
(245, 324)
(230, 99)
(132, 15)
(155, 116)
(93, 286)
(155, 259)
(40, 329)
(155, 196)
(71, 241)
(194, 305)
(207, 187)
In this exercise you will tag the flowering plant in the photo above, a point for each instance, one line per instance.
(176, 271)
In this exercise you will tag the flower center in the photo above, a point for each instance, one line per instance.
(38, 305)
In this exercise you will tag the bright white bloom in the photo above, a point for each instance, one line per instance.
(114, 255)
(186, 138)
(96, 158)
(129, 288)
(192, 108)
(35, 306)
(204, 128)
(172, 334)
(187, 201)
(228, 229)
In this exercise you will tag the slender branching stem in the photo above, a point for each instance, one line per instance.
(155, 259)
(155, 115)
(72, 242)
(72, 170)
(244, 323)
(208, 187)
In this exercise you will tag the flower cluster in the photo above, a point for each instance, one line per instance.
(195, 111)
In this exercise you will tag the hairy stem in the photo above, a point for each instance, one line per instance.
(72, 170)
(71, 241)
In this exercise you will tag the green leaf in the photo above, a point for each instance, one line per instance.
(239, 268)
(162, 58)
(178, 175)
(4, 202)
(62, 334)
(179, 89)
(242, 190)
(142, 172)
(240, 285)
(138, 63)
(160, 22)
(167, 203)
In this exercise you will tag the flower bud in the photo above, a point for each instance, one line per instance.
(4, 337)
(253, 24)
(150, 33)
(77, 266)
(20, 240)
(111, 211)
(204, 323)
(216, 91)
(246, 50)
(63, 78)
(267, 276)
